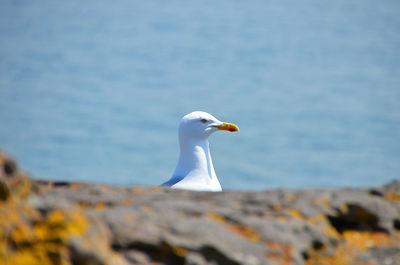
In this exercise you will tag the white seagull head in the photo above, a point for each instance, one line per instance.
(200, 125)
(195, 170)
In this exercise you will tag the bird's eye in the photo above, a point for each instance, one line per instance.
(204, 120)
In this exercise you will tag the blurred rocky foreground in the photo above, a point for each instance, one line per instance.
(44, 222)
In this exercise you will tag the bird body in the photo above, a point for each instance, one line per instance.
(195, 170)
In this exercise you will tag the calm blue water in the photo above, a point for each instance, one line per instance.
(94, 91)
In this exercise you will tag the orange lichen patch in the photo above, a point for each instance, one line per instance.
(279, 253)
(282, 218)
(38, 254)
(76, 223)
(28, 237)
(22, 233)
(128, 218)
(55, 218)
(344, 208)
(366, 240)
(324, 201)
(295, 213)
(353, 245)
(75, 186)
(341, 256)
(126, 202)
(27, 257)
(60, 226)
(138, 190)
(319, 218)
(179, 251)
(84, 204)
(243, 231)
(291, 198)
(155, 189)
(147, 208)
(246, 232)
(13, 218)
(216, 217)
(331, 232)
(276, 207)
(100, 206)
(392, 196)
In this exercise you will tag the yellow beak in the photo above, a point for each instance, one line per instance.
(225, 126)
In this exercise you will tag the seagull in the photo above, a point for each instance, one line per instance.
(195, 170)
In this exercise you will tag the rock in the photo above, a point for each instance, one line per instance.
(88, 223)
(13, 182)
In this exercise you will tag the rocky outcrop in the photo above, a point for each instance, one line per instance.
(45, 222)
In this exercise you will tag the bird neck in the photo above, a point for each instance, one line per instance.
(195, 161)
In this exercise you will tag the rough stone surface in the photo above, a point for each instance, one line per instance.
(45, 222)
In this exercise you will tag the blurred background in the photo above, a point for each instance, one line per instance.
(94, 91)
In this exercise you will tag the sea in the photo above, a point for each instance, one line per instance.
(94, 90)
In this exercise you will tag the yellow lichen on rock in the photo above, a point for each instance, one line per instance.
(181, 252)
(279, 253)
(60, 226)
(353, 244)
(27, 237)
(331, 232)
(216, 217)
(295, 213)
(365, 240)
(246, 232)
(393, 197)
(318, 219)
(292, 197)
(324, 201)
